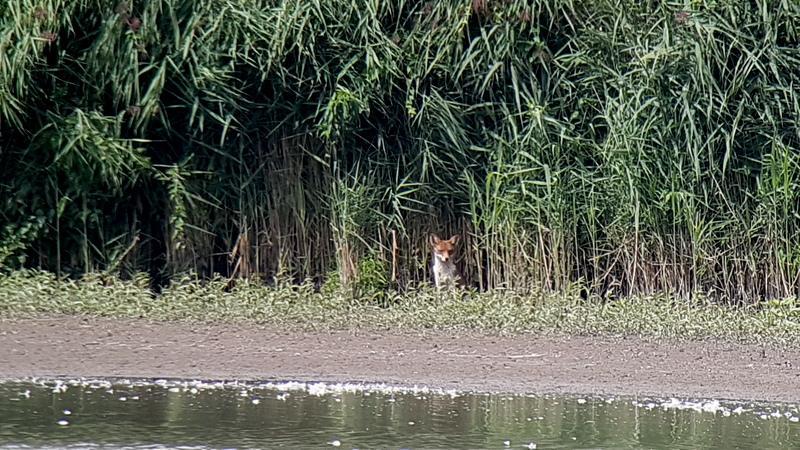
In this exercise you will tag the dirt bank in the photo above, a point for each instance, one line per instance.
(77, 347)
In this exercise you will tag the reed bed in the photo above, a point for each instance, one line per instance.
(632, 148)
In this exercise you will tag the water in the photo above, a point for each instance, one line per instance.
(143, 414)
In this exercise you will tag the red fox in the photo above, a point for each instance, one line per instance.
(444, 270)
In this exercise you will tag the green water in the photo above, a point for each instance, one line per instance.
(139, 414)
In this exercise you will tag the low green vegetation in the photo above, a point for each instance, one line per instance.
(28, 294)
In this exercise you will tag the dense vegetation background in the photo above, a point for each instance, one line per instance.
(634, 146)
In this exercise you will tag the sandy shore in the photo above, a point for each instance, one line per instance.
(81, 347)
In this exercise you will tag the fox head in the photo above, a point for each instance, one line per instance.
(443, 249)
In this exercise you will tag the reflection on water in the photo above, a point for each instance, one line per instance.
(138, 414)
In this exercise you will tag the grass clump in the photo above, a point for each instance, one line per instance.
(31, 293)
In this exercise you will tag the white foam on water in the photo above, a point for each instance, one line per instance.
(724, 408)
(285, 388)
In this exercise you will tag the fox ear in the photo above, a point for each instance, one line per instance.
(434, 239)
(454, 239)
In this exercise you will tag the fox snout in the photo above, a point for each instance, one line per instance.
(442, 256)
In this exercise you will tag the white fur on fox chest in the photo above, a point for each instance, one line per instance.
(444, 272)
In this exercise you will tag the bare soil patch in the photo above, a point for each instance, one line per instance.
(96, 347)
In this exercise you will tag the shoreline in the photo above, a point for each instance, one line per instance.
(90, 347)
